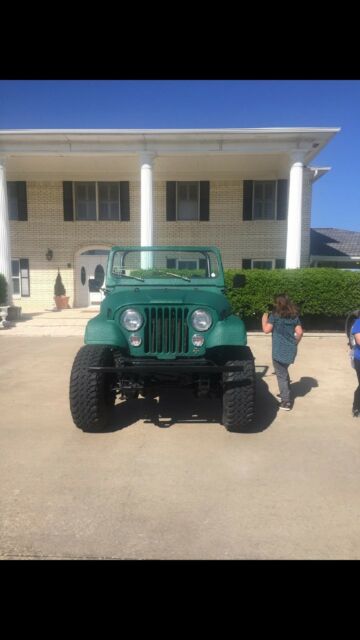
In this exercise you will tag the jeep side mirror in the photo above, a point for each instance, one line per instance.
(239, 280)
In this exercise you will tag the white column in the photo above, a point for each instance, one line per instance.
(5, 251)
(293, 244)
(146, 231)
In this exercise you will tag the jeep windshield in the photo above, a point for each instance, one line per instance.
(158, 264)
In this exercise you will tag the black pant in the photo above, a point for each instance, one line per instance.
(283, 379)
(356, 404)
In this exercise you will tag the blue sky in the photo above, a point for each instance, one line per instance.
(32, 104)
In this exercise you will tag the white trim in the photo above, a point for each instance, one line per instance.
(329, 258)
(294, 217)
(307, 140)
(318, 172)
(284, 130)
(5, 242)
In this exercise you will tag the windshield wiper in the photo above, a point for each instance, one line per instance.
(124, 275)
(176, 275)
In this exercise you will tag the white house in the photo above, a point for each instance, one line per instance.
(67, 196)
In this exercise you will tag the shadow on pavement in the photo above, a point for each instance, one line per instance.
(302, 387)
(182, 406)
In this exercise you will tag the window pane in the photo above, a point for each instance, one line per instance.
(109, 201)
(81, 211)
(262, 264)
(269, 190)
(264, 199)
(114, 191)
(91, 210)
(103, 211)
(258, 191)
(99, 275)
(258, 211)
(181, 190)
(193, 191)
(188, 201)
(187, 264)
(114, 210)
(269, 210)
(16, 285)
(85, 201)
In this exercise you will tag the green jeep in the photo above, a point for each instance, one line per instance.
(164, 322)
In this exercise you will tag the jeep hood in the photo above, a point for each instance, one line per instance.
(166, 296)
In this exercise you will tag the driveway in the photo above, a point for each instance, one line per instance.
(166, 480)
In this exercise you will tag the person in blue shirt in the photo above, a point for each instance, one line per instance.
(355, 330)
(285, 326)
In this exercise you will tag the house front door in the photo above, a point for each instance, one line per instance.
(90, 278)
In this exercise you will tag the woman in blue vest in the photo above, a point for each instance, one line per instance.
(355, 330)
(284, 324)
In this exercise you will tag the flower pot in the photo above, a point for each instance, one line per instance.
(62, 302)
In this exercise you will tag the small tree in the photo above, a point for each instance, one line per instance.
(3, 289)
(59, 289)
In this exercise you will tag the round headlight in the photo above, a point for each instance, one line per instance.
(201, 320)
(131, 319)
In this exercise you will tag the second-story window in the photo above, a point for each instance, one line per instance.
(265, 199)
(96, 201)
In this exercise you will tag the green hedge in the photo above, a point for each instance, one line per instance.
(3, 289)
(324, 292)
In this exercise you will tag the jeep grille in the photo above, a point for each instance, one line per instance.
(166, 330)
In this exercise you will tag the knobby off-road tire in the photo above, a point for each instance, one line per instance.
(91, 394)
(238, 402)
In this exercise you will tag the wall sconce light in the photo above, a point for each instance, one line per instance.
(49, 254)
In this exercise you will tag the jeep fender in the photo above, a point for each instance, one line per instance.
(99, 330)
(228, 332)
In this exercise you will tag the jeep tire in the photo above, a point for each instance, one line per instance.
(238, 400)
(91, 392)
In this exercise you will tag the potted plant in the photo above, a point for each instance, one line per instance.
(61, 300)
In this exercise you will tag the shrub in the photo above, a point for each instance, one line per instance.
(318, 292)
(59, 289)
(3, 289)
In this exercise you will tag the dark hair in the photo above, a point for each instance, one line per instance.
(284, 307)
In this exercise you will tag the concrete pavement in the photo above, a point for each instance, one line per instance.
(166, 480)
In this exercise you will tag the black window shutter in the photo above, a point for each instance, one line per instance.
(170, 263)
(248, 199)
(203, 263)
(204, 200)
(125, 200)
(68, 201)
(280, 263)
(282, 199)
(25, 277)
(171, 201)
(246, 263)
(22, 200)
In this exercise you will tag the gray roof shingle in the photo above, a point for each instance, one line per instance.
(334, 242)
